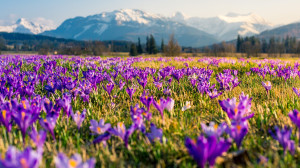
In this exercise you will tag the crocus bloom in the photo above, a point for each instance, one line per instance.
(49, 124)
(102, 138)
(158, 84)
(62, 161)
(267, 85)
(237, 131)
(297, 91)
(295, 117)
(170, 104)
(238, 111)
(186, 106)
(284, 138)
(214, 129)
(78, 117)
(155, 134)
(130, 92)
(24, 120)
(38, 138)
(22, 159)
(206, 149)
(160, 105)
(5, 117)
(109, 87)
(214, 94)
(121, 132)
(99, 128)
(146, 100)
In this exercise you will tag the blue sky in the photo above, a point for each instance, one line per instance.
(274, 11)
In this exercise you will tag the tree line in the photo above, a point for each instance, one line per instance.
(252, 46)
(172, 48)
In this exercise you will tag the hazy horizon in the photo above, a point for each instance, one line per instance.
(55, 12)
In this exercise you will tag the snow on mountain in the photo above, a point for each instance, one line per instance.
(129, 24)
(24, 26)
(229, 26)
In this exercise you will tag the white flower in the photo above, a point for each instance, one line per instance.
(187, 106)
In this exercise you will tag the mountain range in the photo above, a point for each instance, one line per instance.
(129, 24)
(22, 25)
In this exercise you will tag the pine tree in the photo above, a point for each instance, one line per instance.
(162, 46)
(133, 50)
(147, 45)
(139, 47)
(152, 45)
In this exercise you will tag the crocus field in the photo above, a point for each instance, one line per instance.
(85, 112)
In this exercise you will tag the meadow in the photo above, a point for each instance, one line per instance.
(68, 111)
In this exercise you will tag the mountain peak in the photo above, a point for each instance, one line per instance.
(23, 25)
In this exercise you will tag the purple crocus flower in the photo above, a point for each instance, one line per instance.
(214, 129)
(138, 122)
(78, 117)
(121, 131)
(155, 134)
(160, 105)
(237, 131)
(5, 117)
(62, 161)
(267, 85)
(146, 100)
(38, 138)
(24, 120)
(297, 91)
(102, 138)
(49, 124)
(170, 104)
(284, 138)
(295, 117)
(248, 73)
(109, 87)
(214, 94)
(121, 84)
(158, 85)
(14, 158)
(131, 91)
(238, 111)
(207, 149)
(99, 128)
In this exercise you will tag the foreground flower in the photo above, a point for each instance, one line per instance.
(160, 105)
(38, 138)
(62, 161)
(122, 132)
(214, 129)
(49, 124)
(284, 138)
(295, 117)
(267, 85)
(207, 149)
(78, 117)
(214, 94)
(237, 131)
(109, 87)
(131, 91)
(238, 111)
(170, 104)
(155, 134)
(297, 91)
(14, 158)
(186, 106)
(99, 128)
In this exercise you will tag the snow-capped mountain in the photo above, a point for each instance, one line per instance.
(129, 24)
(227, 27)
(24, 26)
